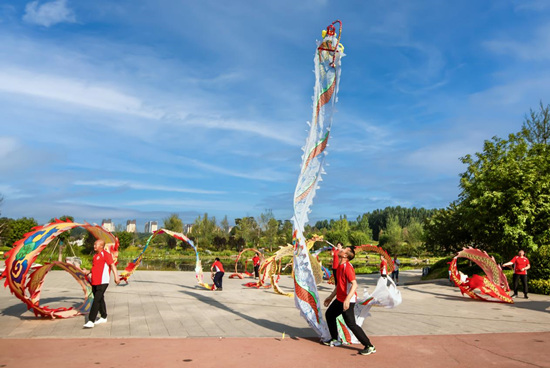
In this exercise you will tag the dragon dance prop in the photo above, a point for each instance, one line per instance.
(327, 77)
(242, 275)
(25, 251)
(494, 284)
(380, 251)
(327, 275)
(384, 295)
(133, 265)
(271, 268)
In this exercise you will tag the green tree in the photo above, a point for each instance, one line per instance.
(224, 224)
(358, 238)
(125, 239)
(363, 226)
(335, 236)
(536, 127)
(505, 195)
(285, 233)
(204, 230)
(173, 223)
(540, 263)
(248, 229)
(504, 203)
(270, 235)
(16, 229)
(219, 242)
(413, 233)
(392, 237)
(446, 231)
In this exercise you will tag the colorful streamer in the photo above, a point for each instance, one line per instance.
(133, 265)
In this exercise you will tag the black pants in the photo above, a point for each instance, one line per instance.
(99, 302)
(218, 278)
(516, 283)
(334, 274)
(334, 310)
(257, 271)
(395, 275)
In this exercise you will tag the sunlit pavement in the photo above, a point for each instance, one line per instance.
(168, 312)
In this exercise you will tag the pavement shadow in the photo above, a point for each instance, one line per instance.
(540, 306)
(439, 295)
(271, 325)
(17, 310)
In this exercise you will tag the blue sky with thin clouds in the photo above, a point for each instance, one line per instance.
(138, 109)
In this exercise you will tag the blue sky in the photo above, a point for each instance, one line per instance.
(138, 109)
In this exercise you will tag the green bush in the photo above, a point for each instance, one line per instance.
(540, 263)
(539, 286)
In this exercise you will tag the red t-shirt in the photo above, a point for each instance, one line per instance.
(256, 260)
(383, 267)
(218, 267)
(345, 274)
(101, 268)
(335, 259)
(519, 263)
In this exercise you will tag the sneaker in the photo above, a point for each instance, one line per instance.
(515, 296)
(100, 320)
(332, 343)
(526, 297)
(368, 350)
(89, 324)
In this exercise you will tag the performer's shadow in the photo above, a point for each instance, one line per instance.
(272, 325)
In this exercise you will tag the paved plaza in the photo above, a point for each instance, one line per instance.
(165, 306)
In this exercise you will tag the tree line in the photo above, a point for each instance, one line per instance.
(397, 228)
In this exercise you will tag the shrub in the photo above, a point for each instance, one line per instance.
(540, 263)
(539, 286)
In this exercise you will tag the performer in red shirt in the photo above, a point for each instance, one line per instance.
(217, 274)
(344, 304)
(521, 265)
(256, 263)
(383, 267)
(335, 260)
(102, 265)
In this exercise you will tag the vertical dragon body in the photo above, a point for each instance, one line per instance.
(327, 76)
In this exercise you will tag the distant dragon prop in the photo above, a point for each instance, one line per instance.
(327, 61)
(271, 267)
(494, 284)
(380, 251)
(245, 273)
(133, 265)
(25, 251)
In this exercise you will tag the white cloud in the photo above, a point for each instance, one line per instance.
(73, 91)
(139, 186)
(536, 48)
(48, 14)
(262, 174)
(8, 191)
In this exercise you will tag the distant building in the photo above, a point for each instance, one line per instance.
(151, 226)
(187, 228)
(108, 225)
(131, 226)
